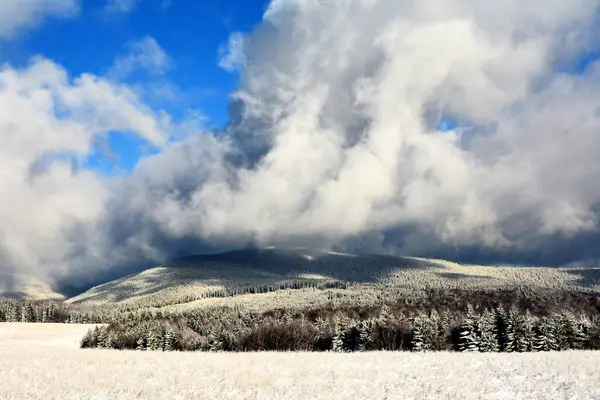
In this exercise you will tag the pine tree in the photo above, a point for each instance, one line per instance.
(544, 336)
(522, 332)
(141, 344)
(583, 332)
(506, 330)
(86, 341)
(169, 340)
(564, 334)
(486, 332)
(365, 334)
(337, 342)
(417, 339)
(102, 338)
(94, 337)
(110, 341)
(526, 332)
(386, 315)
(13, 314)
(153, 342)
(467, 340)
(27, 313)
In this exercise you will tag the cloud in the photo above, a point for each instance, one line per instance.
(232, 57)
(48, 124)
(15, 15)
(333, 141)
(120, 6)
(128, 6)
(143, 55)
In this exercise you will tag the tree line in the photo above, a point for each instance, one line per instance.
(501, 321)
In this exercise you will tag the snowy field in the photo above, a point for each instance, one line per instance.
(42, 361)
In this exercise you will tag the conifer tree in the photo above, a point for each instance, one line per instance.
(102, 338)
(152, 341)
(526, 332)
(467, 340)
(506, 330)
(141, 344)
(583, 332)
(563, 330)
(27, 313)
(522, 330)
(13, 313)
(365, 334)
(544, 336)
(337, 343)
(169, 340)
(386, 315)
(94, 337)
(486, 332)
(417, 339)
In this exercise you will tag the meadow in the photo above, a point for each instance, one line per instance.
(297, 324)
(43, 361)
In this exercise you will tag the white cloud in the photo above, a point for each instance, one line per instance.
(333, 141)
(46, 121)
(231, 57)
(15, 15)
(144, 54)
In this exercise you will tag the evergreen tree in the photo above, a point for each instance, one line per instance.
(337, 343)
(27, 313)
(486, 332)
(13, 313)
(169, 340)
(467, 340)
(506, 330)
(544, 336)
(583, 331)
(110, 341)
(522, 329)
(386, 315)
(526, 332)
(95, 336)
(563, 328)
(365, 334)
(141, 344)
(102, 338)
(417, 339)
(154, 341)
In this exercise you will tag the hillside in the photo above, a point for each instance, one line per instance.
(258, 276)
(24, 287)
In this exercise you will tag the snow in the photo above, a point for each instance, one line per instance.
(42, 361)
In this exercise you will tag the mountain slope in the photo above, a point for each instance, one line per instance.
(245, 273)
(26, 287)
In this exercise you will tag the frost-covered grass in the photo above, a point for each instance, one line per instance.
(56, 369)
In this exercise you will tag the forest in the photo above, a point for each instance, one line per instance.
(441, 320)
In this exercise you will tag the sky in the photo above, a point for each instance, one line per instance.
(135, 131)
(99, 33)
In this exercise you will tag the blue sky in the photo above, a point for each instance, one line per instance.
(189, 31)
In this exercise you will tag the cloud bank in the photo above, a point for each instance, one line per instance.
(333, 141)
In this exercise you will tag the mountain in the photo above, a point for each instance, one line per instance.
(243, 274)
(26, 287)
